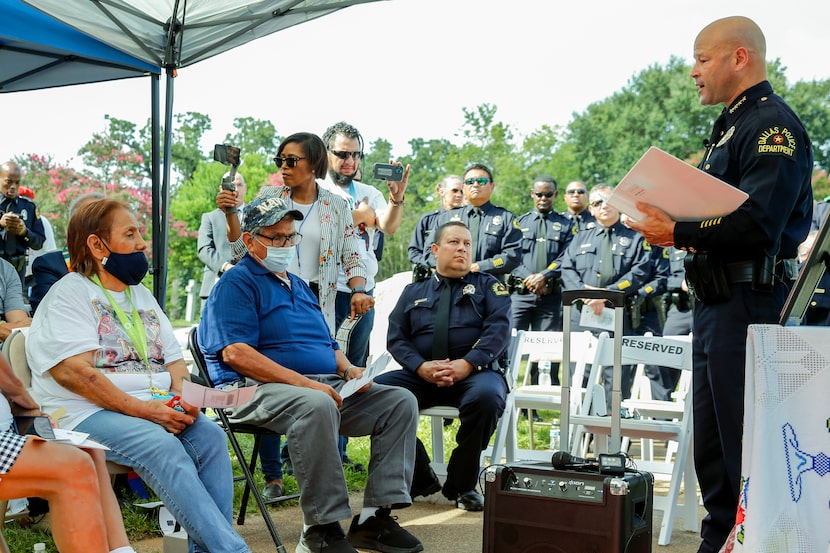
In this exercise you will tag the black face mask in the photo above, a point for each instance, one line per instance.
(129, 268)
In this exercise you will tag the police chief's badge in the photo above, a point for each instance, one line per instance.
(468, 290)
(497, 220)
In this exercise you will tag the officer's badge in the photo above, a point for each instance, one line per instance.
(726, 136)
(455, 217)
(590, 225)
(497, 220)
(468, 290)
(776, 141)
(499, 289)
(24, 215)
(557, 226)
(625, 241)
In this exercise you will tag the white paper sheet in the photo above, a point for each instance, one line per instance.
(377, 366)
(684, 192)
(201, 396)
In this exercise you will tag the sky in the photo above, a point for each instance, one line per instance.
(400, 69)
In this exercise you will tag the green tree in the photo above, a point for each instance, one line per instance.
(186, 150)
(118, 154)
(254, 136)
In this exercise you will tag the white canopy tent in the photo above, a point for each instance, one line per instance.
(173, 34)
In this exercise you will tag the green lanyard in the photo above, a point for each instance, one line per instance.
(135, 327)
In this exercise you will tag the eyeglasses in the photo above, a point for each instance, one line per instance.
(543, 194)
(291, 162)
(576, 191)
(597, 203)
(480, 181)
(343, 155)
(282, 241)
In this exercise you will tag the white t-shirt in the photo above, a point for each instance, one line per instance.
(307, 263)
(377, 202)
(76, 317)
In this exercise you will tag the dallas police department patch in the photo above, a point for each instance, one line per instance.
(776, 141)
(499, 289)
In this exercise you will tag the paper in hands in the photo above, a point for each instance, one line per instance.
(604, 321)
(201, 396)
(377, 367)
(684, 192)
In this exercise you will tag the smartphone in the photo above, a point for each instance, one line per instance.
(387, 171)
(226, 154)
(34, 425)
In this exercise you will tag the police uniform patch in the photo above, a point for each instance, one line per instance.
(499, 289)
(498, 262)
(646, 246)
(776, 141)
(516, 224)
(498, 219)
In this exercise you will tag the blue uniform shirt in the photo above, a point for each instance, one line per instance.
(555, 242)
(250, 305)
(580, 264)
(420, 252)
(479, 326)
(759, 146)
(35, 235)
(498, 245)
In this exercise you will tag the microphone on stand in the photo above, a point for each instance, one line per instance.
(563, 460)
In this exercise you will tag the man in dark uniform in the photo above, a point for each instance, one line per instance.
(677, 305)
(759, 146)
(534, 285)
(576, 200)
(21, 226)
(451, 192)
(496, 233)
(465, 372)
(606, 255)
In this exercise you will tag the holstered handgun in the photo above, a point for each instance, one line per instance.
(706, 277)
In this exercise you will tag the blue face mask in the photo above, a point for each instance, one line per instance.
(129, 268)
(277, 259)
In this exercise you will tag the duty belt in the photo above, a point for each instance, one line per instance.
(742, 271)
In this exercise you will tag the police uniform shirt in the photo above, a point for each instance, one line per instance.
(479, 325)
(759, 146)
(659, 271)
(580, 222)
(555, 242)
(419, 247)
(498, 245)
(677, 270)
(632, 262)
(35, 235)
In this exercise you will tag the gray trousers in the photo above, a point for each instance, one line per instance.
(311, 422)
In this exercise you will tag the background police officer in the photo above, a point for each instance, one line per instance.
(451, 192)
(606, 255)
(21, 226)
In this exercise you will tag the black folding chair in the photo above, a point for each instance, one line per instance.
(248, 468)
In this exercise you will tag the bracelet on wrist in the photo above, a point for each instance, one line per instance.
(396, 203)
(346, 372)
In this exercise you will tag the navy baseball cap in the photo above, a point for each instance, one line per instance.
(267, 211)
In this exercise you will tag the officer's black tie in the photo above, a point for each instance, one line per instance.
(606, 259)
(475, 225)
(441, 331)
(541, 245)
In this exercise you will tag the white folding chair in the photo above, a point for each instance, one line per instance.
(673, 351)
(533, 346)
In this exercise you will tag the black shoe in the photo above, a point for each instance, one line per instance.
(470, 501)
(424, 482)
(348, 463)
(383, 533)
(324, 538)
(273, 491)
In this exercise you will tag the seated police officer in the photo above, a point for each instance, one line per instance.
(264, 325)
(464, 372)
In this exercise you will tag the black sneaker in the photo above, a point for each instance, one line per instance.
(383, 533)
(324, 538)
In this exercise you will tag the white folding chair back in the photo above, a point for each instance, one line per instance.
(534, 346)
(669, 351)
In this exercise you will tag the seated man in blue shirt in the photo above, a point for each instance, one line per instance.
(264, 325)
(465, 372)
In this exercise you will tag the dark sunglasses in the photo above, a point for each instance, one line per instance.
(290, 161)
(575, 191)
(543, 194)
(344, 155)
(480, 181)
(598, 203)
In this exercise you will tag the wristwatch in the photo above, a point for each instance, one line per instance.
(359, 290)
